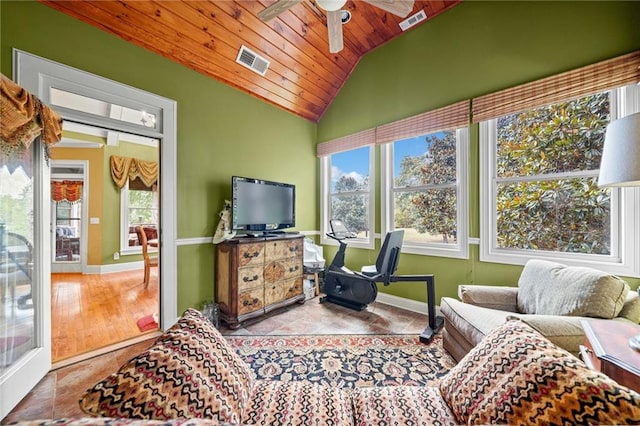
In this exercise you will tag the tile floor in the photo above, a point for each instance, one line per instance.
(58, 393)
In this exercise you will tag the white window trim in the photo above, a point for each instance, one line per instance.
(325, 203)
(125, 249)
(461, 249)
(625, 239)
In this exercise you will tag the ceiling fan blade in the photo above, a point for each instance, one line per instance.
(399, 8)
(276, 9)
(334, 27)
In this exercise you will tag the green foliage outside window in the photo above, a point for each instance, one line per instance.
(430, 212)
(351, 208)
(16, 213)
(142, 210)
(562, 213)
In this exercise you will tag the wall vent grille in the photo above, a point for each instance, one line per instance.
(252, 60)
(413, 20)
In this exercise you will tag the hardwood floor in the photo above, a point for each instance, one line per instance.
(57, 394)
(90, 312)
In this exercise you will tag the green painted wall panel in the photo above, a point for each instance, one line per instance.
(191, 258)
(475, 48)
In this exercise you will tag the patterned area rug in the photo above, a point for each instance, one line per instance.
(345, 360)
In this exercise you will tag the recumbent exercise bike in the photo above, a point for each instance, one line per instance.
(355, 290)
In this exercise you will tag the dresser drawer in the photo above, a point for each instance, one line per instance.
(250, 301)
(251, 254)
(250, 277)
(277, 292)
(292, 267)
(282, 249)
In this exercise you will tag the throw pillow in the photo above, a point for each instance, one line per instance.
(517, 376)
(549, 288)
(631, 308)
(189, 372)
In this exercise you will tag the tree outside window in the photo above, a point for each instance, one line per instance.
(350, 191)
(547, 162)
(424, 189)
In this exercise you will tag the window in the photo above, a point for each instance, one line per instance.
(539, 171)
(139, 208)
(347, 194)
(424, 192)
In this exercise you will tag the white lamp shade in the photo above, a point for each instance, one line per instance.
(331, 5)
(620, 165)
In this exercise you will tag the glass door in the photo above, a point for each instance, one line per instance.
(25, 325)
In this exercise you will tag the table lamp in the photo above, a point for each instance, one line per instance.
(620, 164)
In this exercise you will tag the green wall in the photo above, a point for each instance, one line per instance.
(475, 48)
(221, 131)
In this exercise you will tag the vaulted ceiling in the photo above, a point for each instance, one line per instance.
(303, 77)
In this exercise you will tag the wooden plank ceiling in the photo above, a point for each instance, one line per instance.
(303, 77)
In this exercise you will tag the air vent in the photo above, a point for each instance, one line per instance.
(413, 20)
(252, 60)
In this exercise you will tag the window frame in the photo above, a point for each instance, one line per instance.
(460, 250)
(125, 249)
(625, 207)
(325, 201)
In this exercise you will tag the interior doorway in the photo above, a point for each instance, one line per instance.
(68, 216)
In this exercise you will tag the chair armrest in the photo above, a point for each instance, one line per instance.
(487, 296)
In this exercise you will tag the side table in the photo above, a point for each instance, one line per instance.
(607, 349)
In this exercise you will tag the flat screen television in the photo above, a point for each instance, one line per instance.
(262, 206)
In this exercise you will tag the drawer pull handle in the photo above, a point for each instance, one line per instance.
(247, 279)
(295, 268)
(248, 255)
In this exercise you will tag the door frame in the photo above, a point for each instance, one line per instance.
(38, 75)
(84, 227)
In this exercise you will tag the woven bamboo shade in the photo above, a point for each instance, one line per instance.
(584, 81)
(446, 118)
(449, 117)
(345, 143)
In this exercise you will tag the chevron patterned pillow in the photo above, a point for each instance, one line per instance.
(189, 372)
(516, 376)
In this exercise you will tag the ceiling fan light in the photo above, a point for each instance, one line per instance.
(331, 5)
(345, 16)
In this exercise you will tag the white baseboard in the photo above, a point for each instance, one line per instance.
(408, 304)
(116, 267)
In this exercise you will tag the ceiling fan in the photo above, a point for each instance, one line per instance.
(334, 16)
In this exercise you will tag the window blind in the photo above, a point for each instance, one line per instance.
(345, 143)
(449, 117)
(598, 77)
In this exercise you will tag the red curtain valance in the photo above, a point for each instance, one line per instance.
(66, 190)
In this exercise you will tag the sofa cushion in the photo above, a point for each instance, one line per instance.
(473, 322)
(631, 308)
(189, 372)
(517, 376)
(400, 405)
(549, 288)
(488, 296)
(275, 402)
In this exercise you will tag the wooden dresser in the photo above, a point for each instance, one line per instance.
(257, 275)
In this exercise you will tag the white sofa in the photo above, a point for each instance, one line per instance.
(551, 297)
